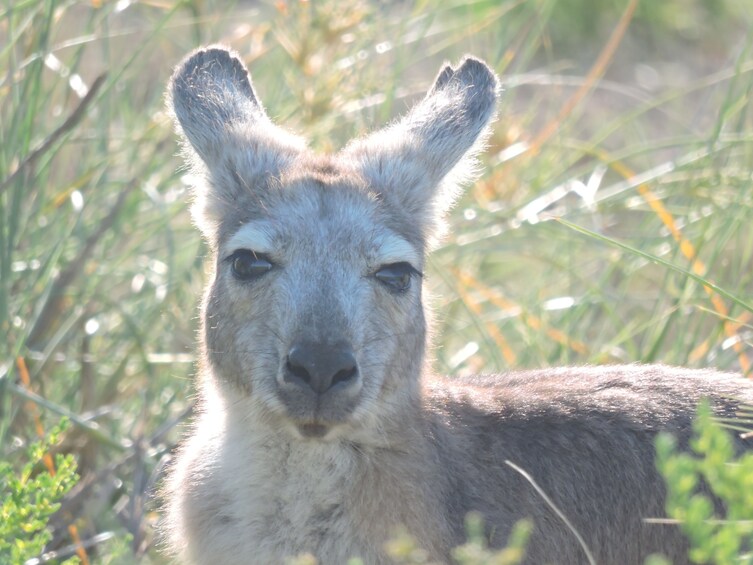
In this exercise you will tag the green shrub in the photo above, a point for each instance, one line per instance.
(729, 477)
(30, 497)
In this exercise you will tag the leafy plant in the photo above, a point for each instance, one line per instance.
(30, 496)
(693, 480)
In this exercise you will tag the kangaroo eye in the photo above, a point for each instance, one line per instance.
(247, 265)
(396, 276)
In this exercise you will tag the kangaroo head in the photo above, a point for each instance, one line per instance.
(314, 316)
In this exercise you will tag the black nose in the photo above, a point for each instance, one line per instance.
(321, 366)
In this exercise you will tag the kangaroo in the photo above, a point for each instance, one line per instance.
(320, 427)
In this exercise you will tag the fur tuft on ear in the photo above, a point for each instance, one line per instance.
(230, 144)
(419, 163)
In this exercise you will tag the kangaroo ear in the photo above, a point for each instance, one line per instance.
(230, 143)
(418, 163)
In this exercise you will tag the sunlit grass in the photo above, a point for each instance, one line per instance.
(644, 152)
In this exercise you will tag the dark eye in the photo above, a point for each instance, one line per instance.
(247, 265)
(397, 276)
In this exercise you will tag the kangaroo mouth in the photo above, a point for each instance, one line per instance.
(313, 430)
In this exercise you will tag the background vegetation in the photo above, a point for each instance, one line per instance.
(628, 121)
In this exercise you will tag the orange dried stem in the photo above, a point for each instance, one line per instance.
(597, 70)
(690, 253)
(49, 463)
(532, 321)
(491, 329)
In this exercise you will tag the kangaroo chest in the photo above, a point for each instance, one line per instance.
(289, 502)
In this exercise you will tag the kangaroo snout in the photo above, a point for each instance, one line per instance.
(321, 366)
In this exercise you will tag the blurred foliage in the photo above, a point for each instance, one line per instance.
(694, 481)
(475, 551)
(100, 267)
(674, 20)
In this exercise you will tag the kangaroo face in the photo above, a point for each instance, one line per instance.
(315, 310)
(311, 304)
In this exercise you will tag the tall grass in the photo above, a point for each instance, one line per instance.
(645, 153)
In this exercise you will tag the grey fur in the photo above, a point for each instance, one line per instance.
(313, 457)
